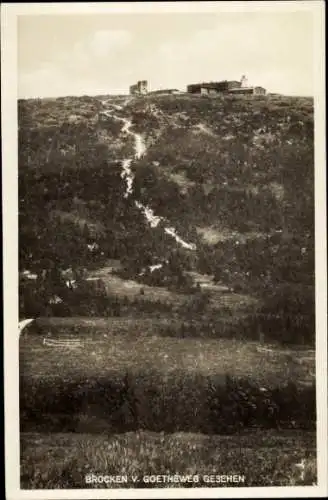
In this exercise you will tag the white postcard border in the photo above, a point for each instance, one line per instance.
(9, 13)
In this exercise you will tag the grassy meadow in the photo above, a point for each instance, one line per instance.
(264, 458)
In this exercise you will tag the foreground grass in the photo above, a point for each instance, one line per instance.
(264, 458)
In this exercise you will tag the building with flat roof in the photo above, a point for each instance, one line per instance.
(225, 87)
(165, 92)
(249, 91)
(213, 87)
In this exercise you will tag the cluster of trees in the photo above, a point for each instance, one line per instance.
(270, 259)
(238, 171)
(171, 275)
(144, 122)
(185, 403)
(288, 314)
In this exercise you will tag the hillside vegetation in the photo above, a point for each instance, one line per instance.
(233, 176)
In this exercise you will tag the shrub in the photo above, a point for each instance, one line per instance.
(188, 403)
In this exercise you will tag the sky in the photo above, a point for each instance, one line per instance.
(92, 54)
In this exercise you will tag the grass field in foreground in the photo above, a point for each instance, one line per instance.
(264, 458)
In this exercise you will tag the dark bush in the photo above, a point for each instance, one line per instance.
(188, 403)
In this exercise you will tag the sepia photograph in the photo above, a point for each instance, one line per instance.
(164, 249)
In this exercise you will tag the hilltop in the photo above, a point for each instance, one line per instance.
(200, 209)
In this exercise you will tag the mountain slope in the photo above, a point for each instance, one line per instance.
(173, 187)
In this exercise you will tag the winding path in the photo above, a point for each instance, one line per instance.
(127, 174)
